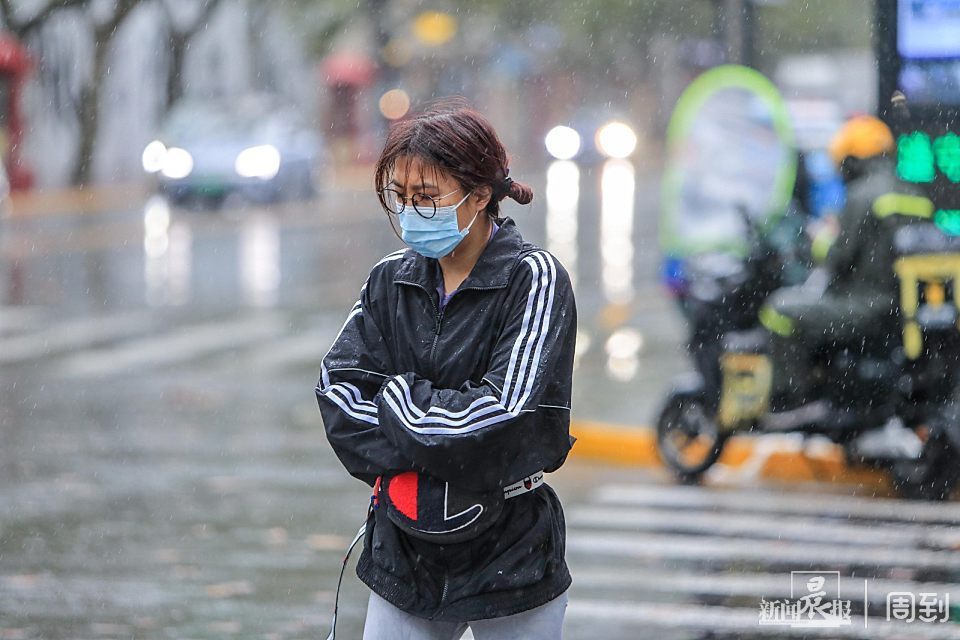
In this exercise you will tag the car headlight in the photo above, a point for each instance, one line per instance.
(153, 155)
(616, 140)
(177, 163)
(262, 161)
(563, 143)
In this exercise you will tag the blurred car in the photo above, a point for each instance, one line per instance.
(254, 147)
(593, 136)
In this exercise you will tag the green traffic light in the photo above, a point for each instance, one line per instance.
(946, 149)
(948, 221)
(915, 157)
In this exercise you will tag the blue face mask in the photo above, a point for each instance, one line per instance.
(437, 236)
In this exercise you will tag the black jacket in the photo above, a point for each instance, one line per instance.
(476, 395)
(861, 259)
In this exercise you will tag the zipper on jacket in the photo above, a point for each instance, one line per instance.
(436, 333)
(439, 313)
(432, 298)
(436, 339)
(439, 316)
(443, 594)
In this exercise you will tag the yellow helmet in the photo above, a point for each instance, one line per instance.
(861, 137)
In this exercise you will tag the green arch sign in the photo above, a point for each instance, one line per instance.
(730, 152)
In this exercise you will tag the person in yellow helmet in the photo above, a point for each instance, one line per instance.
(861, 138)
(857, 308)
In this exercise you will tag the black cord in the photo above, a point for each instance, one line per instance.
(343, 568)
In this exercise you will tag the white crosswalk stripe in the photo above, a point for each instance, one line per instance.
(301, 349)
(650, 561)
(755, 525)
(688, 548)
(14, 319)
(133, 342)
(70, 335)
(782, 503)
(181, 345)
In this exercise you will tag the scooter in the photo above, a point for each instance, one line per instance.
(891, 403)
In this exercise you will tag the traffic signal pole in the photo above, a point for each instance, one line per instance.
(734, 26)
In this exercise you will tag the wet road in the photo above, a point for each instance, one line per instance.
(165, 474)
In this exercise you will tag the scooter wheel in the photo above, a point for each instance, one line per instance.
(688, 437)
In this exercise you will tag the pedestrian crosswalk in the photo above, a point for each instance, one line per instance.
(137, 342)
(653, 561)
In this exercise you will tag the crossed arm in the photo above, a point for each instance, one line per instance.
(483, 434)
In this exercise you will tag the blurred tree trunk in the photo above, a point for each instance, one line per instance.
(178, 43)
(88, 118)
(88, 111)
(177, 50)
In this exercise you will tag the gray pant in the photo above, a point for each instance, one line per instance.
(386, 622)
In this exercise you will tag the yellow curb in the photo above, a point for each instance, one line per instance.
(612, 443)
(626, 445)
(830, 466)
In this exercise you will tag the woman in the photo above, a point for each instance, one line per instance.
(448, 391)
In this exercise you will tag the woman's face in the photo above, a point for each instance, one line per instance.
(411, 176)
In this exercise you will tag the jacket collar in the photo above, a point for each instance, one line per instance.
(492, 270)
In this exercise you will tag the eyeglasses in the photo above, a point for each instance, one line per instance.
(424, 205)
